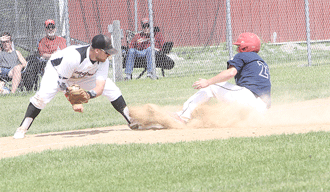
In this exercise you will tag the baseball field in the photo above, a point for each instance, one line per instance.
(225, 147)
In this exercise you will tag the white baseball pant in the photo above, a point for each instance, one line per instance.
(224, 92)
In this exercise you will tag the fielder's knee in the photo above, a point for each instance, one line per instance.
(37, 101)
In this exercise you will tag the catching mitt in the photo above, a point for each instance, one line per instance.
(76, 95)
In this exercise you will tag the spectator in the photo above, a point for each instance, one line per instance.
(140, 46)
(46, 47)
(11, 62)
(50, 43)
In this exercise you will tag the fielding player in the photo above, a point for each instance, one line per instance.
(86, 66)
(251, 75)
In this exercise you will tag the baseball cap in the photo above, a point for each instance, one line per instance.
(49, 22)
(145, 20)
(103, 42)
(5, 38)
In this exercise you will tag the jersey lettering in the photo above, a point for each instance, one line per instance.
(78, 74)
(264, 72)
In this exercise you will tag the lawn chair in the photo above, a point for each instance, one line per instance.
(162, 60)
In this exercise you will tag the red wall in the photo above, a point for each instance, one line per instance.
(203, 22)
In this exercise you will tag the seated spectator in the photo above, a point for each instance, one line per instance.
(50, 43)
(140, 46)
(46, 47)
(11, 62)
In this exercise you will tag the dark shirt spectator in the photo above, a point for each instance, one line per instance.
(142, 41)
(140, 46)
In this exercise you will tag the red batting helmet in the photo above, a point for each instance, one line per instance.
(248, 42)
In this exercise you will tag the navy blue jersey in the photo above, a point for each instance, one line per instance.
(252, 73)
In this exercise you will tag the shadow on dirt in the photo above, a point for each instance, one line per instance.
(80, 133)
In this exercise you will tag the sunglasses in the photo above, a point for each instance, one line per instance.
(50, 27)
(106, 52)
(3, 42)
(145, 25)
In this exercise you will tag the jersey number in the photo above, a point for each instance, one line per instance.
(264, 70)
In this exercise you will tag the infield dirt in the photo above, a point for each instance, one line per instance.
(217, 121)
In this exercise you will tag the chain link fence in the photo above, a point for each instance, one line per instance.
(24, 20)
(293, 32)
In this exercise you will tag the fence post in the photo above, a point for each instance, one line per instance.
(229, 35)
(152, 38)
(117, 59)
(135, 16)
(67, 25)
(308, 34)
(16, 19)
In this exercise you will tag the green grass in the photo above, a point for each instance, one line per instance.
(288, 84)
(273, 163)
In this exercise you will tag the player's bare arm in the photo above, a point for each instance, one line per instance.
(21, 58)
(99, 87)
(221, 77)
(141, 40)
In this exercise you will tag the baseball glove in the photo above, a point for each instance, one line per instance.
(76, 95)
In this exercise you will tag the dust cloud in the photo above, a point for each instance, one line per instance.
(229, 115)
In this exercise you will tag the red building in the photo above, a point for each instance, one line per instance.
(203, 22)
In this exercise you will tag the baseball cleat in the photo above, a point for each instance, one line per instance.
(20, 133)
(152, 77)
(128, 77)
(138, 126)
(134, 124)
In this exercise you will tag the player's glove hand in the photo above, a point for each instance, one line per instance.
(76, 95)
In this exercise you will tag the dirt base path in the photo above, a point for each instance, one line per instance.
(301, 117)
